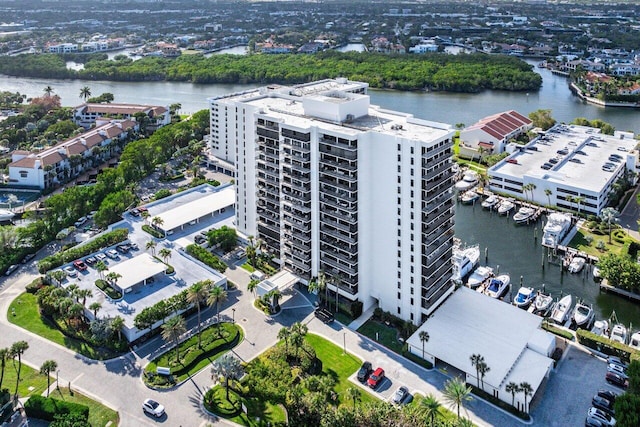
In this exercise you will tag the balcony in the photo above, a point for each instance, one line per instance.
(341, 190)
(295, 195)
(351, 146)
(291, 234)
(441, 169)
(351, 218)
(296, 185)
(340, 267)
(266, 224)
(295, 146)
(337, 174)
(296, 207)
(336, 234)
(348, 166)
(327, 220)
(430, 153)
(300, 265)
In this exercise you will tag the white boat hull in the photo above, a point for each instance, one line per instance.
(562, 310)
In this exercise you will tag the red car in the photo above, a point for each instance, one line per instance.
(80, 265)
(375, 378)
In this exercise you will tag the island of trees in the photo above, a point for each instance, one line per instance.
(434, 72)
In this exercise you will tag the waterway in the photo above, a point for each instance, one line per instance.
(511, 247)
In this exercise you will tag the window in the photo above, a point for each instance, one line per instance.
(399, 285)
(399, 295)
(398, 310)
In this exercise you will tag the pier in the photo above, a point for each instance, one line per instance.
(604, 286)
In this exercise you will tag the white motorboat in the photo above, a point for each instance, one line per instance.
(596, 273)
(6, 215)
(543, 304)
(505, 207)
(464, 261)
(469, 179)
(479, 276)
(576, 264)
(524, 214)
(619, 333)
(469, 196)
(562, 310)
(634, 341)
(601, 328)
(583, 315)
(490, 201)
(498, 286)
(558, 225)
(524, 298)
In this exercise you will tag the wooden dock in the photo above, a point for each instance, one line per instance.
(604, 286)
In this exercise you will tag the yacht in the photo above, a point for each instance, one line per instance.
(557, 227)
(479, 276)
(583, 315)
(469, 197)
(524, 297)
(490, 202)
(619, 333)
(596, 273)
(464, 261)
(524, 214)
(505, 207)
(634, 342)
(498, 286)
(562, 310)
(6, 215)
(543, 304)
(576, 264)
(601, 328)
(469, 179)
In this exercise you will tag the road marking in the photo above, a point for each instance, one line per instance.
(77, 378)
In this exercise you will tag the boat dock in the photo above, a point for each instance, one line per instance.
(604, 286)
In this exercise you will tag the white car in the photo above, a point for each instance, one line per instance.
(71, 272)
(113, 254)
(618, 369)
(601, 416)
(152, 407)
(100, 256)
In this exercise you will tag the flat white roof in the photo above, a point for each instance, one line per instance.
(470, 323)
(532, 367)
(281, 281)
(137, 269)
(198, 208)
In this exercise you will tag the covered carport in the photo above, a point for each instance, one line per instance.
(136, 272)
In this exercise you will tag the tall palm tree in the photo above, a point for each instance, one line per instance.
(117, 323)
(228, 367)
(165, 254)
(48, 366)
(101, 267)
(145, 216)
(322, 286)
(151, 244)
(113, 277)
(95, 307)
(609, 215)
(196, 295)
(355, 395)
(4, 355)
(251, 287)
(456, 393)
(217, 295)
(84, 294)
(48, 91)
(15, 352)
(424, 338)
(157, 221)
(548, 193)
(527, 390)
(298, 332)
(430, 407)
(483, 368)
(85, 92)
(476, 359)
(283, 334)
(512, 388)
(171, 331)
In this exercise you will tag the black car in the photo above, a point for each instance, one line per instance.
(616, 379)
(27, 258)
(608, 394)
(364, 371)
(602, 404)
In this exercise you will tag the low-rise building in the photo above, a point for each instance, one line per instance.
(492, 134)
(85, 115)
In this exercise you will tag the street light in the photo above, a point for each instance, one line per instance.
(233, 313)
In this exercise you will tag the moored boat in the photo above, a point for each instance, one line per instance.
(464, 261)
(490, 202)
(6, 215)
(562, 310)
(634, 341)
(601, 328)
(469, 179)
(543, 304)
(479, 276)
(469, 196)
(583, 315)
(524, 214)
(498, 286)
(524, 298)
(505, 207)
(619, 333)
(557, 227)
(576, 264)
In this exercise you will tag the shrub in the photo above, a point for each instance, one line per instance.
(605, 345)
(35, 286)
(634, 247)
(107, 289)
(45, 408)
(155, 233)
(204, 256)
(106, 240)
(162, 193)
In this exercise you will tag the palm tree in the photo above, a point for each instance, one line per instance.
(85, 92)
(512, 388)
(145, 216)
(113, 277)
(430, 407)
(477, 359)
(283, 334)
(251, 252)
(117, 323)
(579, 200)
(456, 393)
(4, 355)
(527, 390)
(424, 338)
(216, 296)
(84, 294)
(609, 215)
(336, 280)
(275, 296)
(48, 366)
(95, 307)
(165, 254)
(227, 367)
(101, 267)
(355, 395)
(48, 91)
(151, 244)
(197, 294)
(172, 330)
(75, 311)
(322, 286)
(548, 193)
(251, 287)
(157, 221)
(298, 332)
(15, 352)
(483, 368)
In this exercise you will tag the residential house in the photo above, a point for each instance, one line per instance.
(492, 134)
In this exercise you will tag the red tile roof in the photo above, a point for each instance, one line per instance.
(502, 124)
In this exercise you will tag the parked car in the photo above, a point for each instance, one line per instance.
(79, 265)
(152, 407)
(616, 379)
(90, 260)
(27, 258)
(101, 257)
(364, 371)
(400, 394)
(11, 269)
(80, 221)
(134, 246)
(618, 369)
(134, 212)
(603, 404)
(375, 378)
(71, 272)
(123, 249)
(608, 394)
(112, 253)
(601, 416)
(199, 239)
(593, 422)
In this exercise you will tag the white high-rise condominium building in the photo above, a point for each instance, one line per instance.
(331, 183)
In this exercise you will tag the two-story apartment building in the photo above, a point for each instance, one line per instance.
(85, 115)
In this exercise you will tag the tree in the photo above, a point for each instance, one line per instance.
(48, 91)
(101, 267)
(224, 236)
(283, 334)
(95, 307)
(113, 277)
(527, 390)
(117, 323)
(476, 359)
(609, 215)
(627, 407)
(483, 368)
(4, 355)
(217, 295)
(151, 244)
(355, 395)
(48, 366)
(251, 252)
(84, 294)
(85, 92)
(424, 338)
(430, 407)
(16, 351)
(548, 193)
(172, 330)
(165, 254)
(196, 295)
(322, 286)
(157, 221)
(298, 332)
(252, 286)
(227, 367)
(512, 388)
(456, 393)
(542, 119)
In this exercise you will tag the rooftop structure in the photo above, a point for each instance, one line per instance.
(136, 271)
(493, 133)
(578, 164)
(319, 169)
(511, 341)
(85, 115)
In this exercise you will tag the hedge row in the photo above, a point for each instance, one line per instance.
(203, 255)
(155, 233)
(45, 408)
(108, 239)
(605, 345)
(107, 289)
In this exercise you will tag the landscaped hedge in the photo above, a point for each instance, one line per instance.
(155, 233)
(35, 286)
(203, 255)
(107, 289)
(605, 345)
(45, 408)
(108, 239)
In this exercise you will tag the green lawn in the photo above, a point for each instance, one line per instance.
(248, 267)
(445, 413)
(265, 411)
(580, 243)
(338, 365)
(99, 415)
(23, 312)
(31, 381)
(387, 335)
